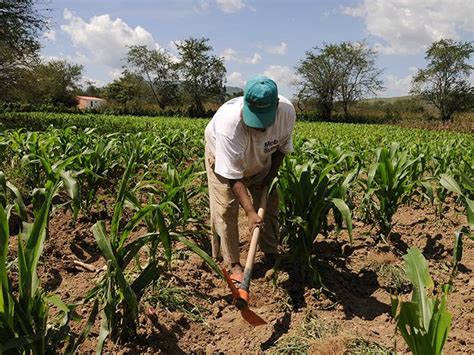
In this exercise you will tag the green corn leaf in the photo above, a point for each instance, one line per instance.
(416, 268)
(6, 302)
(36, 238)
(410, 327)
(136, 219)
(164, 234)
(198, 251)
(130, 250)
(439, 326)
(371, 174)
(72, 347)
(24, 273)
(457, 249)
(72, 187)
(104, 245)
(450, 184)
(470, 213)
(19, 201)
(346, 214)
(103, 334)
(394, 306)
(18, 343)
(146, 277)
(120, 199)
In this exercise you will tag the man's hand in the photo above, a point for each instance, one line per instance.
(254, 221)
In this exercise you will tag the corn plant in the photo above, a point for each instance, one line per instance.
(117, 295)
(93, 166)
(308, 196)
(26, 325)
(389, 183)
(11, 198)
(466, 193)
(57, 172)
(423, 322)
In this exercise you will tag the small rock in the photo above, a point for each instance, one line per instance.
(209, 349)
(269, 274)
(178, 317)
(216, 312)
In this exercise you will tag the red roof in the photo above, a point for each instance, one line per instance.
(89, 98)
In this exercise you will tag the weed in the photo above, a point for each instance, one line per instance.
(363, 347)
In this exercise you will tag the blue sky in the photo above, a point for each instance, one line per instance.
(256, 37)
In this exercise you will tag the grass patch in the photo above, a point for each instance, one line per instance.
(291, 344)
(311, 328)
(364, 347)
(175, 299)
(392, 277)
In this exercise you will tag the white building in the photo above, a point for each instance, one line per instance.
(88, 102)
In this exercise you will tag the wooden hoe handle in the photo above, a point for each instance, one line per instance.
(253, 243)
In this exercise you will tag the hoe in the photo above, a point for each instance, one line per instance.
(241, 294)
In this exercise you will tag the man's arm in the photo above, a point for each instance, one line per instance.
(277, 158)
(240, 191)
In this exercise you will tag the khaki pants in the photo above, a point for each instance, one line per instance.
(224, 208)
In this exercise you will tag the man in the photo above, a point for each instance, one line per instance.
(246, 141)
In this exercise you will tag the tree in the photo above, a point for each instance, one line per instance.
(21, 24)
(53, 82)
(124, 89)
(203, 74)
(91, 89)
(158, 70)
(360, 77)
(445, 81)
(344, 72)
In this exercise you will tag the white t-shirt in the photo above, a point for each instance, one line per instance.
(241, 151)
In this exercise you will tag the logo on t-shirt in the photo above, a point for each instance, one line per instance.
(270, 145)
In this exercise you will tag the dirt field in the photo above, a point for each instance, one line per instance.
(356, 319)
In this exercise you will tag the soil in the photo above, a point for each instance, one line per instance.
(357, 310)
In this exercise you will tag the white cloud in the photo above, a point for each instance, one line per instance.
(230, 6)
(235, 79)
(408, 26)
(202, 6)
(254, 60)
(282, 75)
(115, 73)
(86, 80)
(104, 38)
(50, 35)
(397, 86)
(280, 49)
(229, 55)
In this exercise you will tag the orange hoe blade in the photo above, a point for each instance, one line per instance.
(241, 294)
(241, 298)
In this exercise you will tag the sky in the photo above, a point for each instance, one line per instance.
(260, 37)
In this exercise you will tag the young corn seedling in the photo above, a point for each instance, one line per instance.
(176, 189)
(122, 286)
(466, 193)
(424, 322)
(93, 166)
(25, 322)
(307, 199)
(389, 183)
(117, 294)
(11, 198)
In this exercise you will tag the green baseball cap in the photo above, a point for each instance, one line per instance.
(260, 102)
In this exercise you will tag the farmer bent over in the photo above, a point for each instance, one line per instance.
(246, 141)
